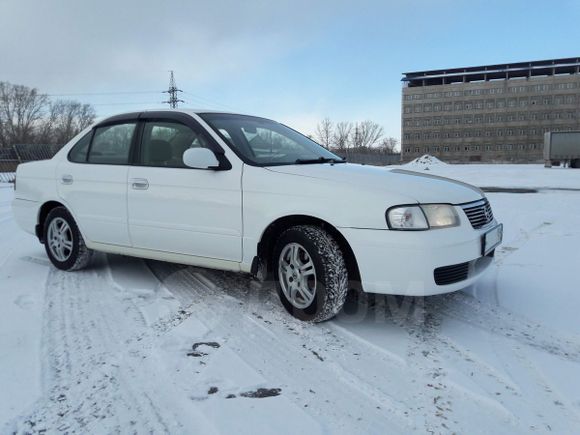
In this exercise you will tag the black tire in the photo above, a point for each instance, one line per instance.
(79, 256)
(330, 270)
(575, 164)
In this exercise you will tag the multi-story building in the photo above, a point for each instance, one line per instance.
(493, 113)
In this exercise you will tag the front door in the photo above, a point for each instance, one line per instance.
(177, 209)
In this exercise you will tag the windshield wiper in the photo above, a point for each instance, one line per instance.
(319, 160)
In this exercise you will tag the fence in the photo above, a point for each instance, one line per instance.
(370, 157)
(11, 157)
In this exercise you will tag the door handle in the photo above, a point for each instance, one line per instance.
(139, 184)
(66, 179)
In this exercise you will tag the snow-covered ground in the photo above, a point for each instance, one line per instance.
(134, 346)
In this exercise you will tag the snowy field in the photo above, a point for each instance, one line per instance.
(129, 346)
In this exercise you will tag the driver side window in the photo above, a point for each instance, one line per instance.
(164, 143)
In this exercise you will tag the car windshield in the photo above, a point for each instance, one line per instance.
(263, 142)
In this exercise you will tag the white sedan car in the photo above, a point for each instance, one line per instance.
(248, 194)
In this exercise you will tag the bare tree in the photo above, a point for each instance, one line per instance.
(341, 136)
(27, 116)
(389, 145)
(325, 132)
(21, 108)
(65, 120)
(367, 134)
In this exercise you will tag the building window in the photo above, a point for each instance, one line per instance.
(488, 147)
(446, 149)
(417, 149)
(475, 148)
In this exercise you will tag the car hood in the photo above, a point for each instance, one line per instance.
(423, 188)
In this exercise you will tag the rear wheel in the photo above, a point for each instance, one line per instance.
(310, 272)
(63, 241)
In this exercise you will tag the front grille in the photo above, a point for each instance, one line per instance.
(451, 274)
(479, 213)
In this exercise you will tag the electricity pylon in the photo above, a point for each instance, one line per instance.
(172, 91)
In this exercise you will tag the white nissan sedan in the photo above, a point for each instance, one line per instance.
(248, 194)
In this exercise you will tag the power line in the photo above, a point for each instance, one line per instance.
(204, 100)
(73, 94)
(172, 91)
(127, 103)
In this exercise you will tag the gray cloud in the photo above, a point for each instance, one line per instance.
(61, 45)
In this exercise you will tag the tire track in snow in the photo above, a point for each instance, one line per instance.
(95, 377)
(429, 350)
(274, 344)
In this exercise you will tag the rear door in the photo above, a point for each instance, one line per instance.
(173, 208)
(93, 181)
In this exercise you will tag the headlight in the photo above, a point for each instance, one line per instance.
(422, 217)
(441, 215)
(407, 218)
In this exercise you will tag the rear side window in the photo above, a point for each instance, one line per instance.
(111, 144)
(78, 153)
(164, 143)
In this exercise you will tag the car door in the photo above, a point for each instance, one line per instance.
(93, 181)
(176, 209)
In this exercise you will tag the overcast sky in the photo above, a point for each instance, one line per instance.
(294, 61)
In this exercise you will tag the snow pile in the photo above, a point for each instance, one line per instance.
(425, 162)
(6, 177)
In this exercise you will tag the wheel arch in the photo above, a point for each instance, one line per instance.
(270, 235)
(43, 212)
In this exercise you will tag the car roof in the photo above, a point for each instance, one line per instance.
(134, 114)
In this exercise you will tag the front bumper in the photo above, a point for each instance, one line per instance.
(404, 262)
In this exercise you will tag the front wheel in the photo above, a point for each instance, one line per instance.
(63, 241)
(310, 272)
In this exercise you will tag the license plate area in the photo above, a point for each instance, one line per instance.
(491, 239)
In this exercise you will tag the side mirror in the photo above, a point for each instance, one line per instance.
(200, 158)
